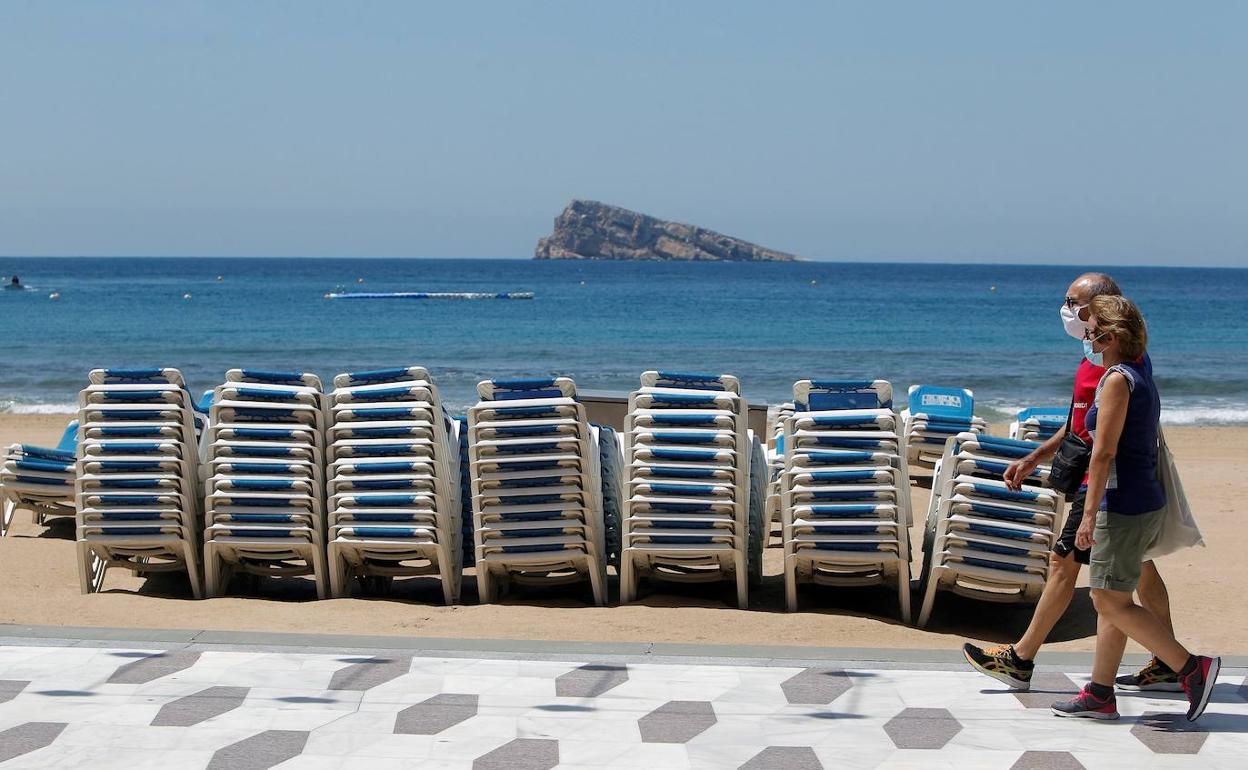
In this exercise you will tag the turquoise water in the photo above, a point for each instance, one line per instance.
(603, 323)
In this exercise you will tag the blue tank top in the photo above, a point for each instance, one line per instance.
(1133, 487)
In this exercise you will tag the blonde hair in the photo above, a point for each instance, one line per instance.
(1120, 317)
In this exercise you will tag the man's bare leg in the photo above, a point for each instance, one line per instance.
(1059, 589)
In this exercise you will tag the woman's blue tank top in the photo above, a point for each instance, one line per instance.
(1133, 487)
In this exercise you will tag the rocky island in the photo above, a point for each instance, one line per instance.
(592, 230)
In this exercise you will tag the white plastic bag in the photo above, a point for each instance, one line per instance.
(1178, 526)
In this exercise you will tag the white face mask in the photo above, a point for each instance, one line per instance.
(1072, 323)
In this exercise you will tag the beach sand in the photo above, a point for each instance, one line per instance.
(40, 586)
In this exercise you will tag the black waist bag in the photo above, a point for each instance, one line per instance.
(1070, 462)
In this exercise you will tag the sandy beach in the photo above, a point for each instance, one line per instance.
(40, 586)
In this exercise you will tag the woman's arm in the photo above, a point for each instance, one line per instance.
(1111, 414)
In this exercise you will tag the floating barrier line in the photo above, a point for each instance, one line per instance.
(431, 295)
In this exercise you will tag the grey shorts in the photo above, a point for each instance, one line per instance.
(1118, 553)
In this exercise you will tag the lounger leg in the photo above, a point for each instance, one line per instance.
(929, 598)
(485, 590)
(10, 508)
(446, 567)
(790, 584)
(85, 566)
(596, 582)
(903, 591)
(318, 573)
(192, 570)
(212, 579)
(335, 572)
(627, 590)
(743, 588)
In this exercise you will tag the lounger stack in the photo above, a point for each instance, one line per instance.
(845, 490)
(394, 482)
(934, 414)
(775, 468)
(537, 502)
(1038, 423)
(696, 485)
(265, 479)
(983, 540)
(39, 479)
(136, 482)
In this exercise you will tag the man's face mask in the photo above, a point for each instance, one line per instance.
(1071, 322)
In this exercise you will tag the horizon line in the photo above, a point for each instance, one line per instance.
(836, 261)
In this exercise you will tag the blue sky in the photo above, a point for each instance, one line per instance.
(1106, 132)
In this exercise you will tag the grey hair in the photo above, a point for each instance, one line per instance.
(1100, 284)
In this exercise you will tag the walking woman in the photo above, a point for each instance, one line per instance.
(1123, 513)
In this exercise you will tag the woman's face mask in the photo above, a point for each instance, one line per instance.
(1071, 322)
(1094, 357)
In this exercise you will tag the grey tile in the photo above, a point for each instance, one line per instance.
(590, 680)
(152, 667)
(28, 737)
(432, 716)
(917, 728)
(368, 674)
(9, 688)
(520, 754)
(676, 721)
(784, 758)
(1047, 760)
(1169, 733)
(261, 751)
(1047, 689)
(1243, 689)
(203, 705)
(816, 686)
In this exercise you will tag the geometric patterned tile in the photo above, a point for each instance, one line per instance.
(203, 705)
(520, 754)
(1169, 733)
(9, 688)
(28, 737)
(917, 728)
(1046, 689)
(676, 721)
(370, 673)
(784, 758)
(590, 681)
(1047, 760)
(260, 751)
(155, 666)
(433, 715)
(816, 686)
(1243, 689)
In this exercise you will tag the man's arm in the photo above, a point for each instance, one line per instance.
(1021, 468)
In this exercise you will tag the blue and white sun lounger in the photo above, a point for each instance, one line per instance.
(535, 472)
(1038, 423)
(39, 479)
(845, 490)
(136, 476)
(931, 416)
(695, 485)
(394, 482)
(981, 539)
(265, 481)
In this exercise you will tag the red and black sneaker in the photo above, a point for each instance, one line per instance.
(1198, 684)
(1088, 706)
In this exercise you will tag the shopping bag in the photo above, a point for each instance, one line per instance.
(1178, 527)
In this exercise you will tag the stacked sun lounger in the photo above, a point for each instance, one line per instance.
(393, 482)
(39, 479)
(775, 467)
(932, 415)
(136, 481)
(538, 514)
(982, 539)
(1038, 423)
(845, 490)
(264, 489)
(696, 485)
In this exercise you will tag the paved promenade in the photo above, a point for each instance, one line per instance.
(241, 704)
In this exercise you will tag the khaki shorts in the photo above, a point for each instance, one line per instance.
(1118, 554)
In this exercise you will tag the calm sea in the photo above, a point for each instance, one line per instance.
(992, 328)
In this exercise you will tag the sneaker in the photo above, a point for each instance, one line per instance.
(1199, 685)
(1154, 676)
(1088, 706)
(1001, 664)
